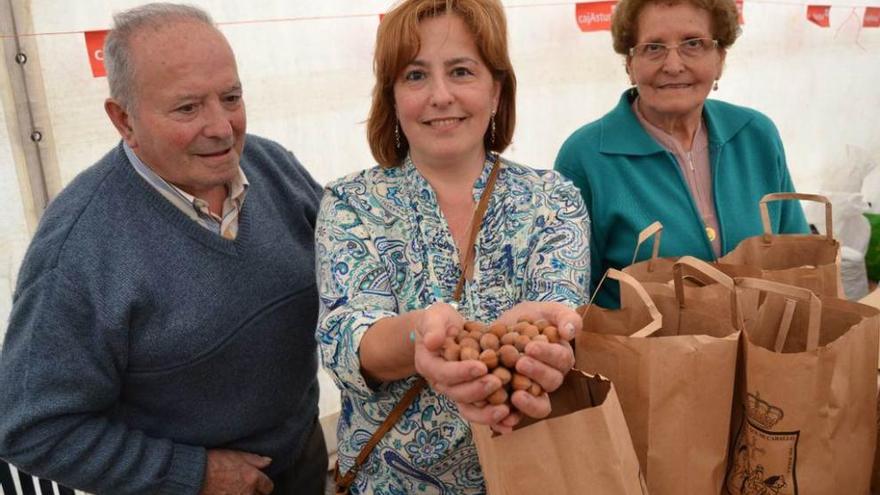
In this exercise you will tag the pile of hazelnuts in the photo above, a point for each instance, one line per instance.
(499, 347)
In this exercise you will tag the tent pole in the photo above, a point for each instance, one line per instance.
(29, 117)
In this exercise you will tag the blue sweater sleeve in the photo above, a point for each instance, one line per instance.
(60, 373)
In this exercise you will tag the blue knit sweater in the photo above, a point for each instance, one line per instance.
(629, 181)
(138, 338)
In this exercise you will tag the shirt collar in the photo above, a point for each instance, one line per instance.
(622, 134)
(414, 177)
(666, 139)
(237, 188)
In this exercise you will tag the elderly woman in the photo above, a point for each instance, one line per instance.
(667, 153)
(392, 242)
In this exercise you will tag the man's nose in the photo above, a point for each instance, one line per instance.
(218, 121)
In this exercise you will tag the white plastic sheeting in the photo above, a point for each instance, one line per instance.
(13, 229)
(307, 73)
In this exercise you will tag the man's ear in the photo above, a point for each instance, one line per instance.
(121, 120)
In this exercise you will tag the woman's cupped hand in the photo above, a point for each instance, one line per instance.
(469, 383)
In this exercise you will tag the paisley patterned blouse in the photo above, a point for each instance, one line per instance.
(383, 249)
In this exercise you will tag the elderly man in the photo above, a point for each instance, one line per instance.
(161, 338)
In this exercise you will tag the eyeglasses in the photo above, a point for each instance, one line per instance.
(691, 49)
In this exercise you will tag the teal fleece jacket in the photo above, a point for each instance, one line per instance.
(628, 181)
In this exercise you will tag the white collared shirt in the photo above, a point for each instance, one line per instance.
(225, 224)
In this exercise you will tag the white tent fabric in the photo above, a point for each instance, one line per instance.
(307, 74)
(14, 233)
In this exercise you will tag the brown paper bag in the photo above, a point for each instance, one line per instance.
(803, 260)
(583, 447)
(808, 397)
(656, 271)
(675, 360)
(875, 476)
(656, 275)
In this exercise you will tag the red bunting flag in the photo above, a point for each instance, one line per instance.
(95, 47)
(739, 12)
(594, 16)
(819, 15)
(872, 17)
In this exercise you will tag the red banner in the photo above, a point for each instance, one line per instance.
(594, 16)
(739, 12)
(872, 17)
(95, 47)
(819, 15)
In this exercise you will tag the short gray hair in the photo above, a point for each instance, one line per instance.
(117, 49)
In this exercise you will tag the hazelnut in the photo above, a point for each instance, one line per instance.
(498, 397)
(489, 341)
(452, 352)
(475, 326)
(531, 331)
(503, 374)
(509, 356)
(490, 358)
(509, 338)
(499, 347)
(521, 325)
(521, 342)
(469, 354)
(469, 342)
(498, 329)
(536, 389)
(520, 382)
(552, 334)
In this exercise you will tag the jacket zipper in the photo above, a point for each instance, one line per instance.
(696, 211)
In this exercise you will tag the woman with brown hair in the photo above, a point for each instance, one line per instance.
(442, 231)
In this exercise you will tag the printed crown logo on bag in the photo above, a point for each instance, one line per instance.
(762, 412)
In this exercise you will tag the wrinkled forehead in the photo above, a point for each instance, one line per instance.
(186, 58)
(157, 47)
(675, 15)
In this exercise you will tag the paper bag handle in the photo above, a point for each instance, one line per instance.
(707, 274)
(790, 292)
(654, 230)
(765, 214)
(656, 317)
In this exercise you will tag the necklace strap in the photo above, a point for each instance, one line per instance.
(343, 482)
(476, 221)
